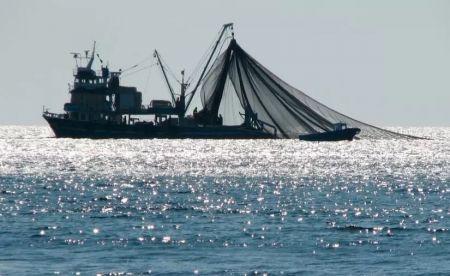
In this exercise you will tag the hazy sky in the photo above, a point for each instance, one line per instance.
(383, 62)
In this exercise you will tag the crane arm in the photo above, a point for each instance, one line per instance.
(172, 94)
(192, 93)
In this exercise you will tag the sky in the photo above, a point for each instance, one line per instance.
(383, 62)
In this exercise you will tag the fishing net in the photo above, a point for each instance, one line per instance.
(280, 108)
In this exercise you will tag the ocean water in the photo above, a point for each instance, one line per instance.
(278, 207)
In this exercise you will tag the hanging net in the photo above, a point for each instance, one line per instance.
(274, 105)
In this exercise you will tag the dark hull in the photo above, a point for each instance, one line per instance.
(65, 128)
(337, 135)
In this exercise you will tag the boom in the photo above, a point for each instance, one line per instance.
(172, 94)
(192, 93)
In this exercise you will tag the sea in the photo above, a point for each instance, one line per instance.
(224, 207)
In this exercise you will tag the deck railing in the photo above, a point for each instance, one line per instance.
(54, 115)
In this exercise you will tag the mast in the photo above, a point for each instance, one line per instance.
(91, 60)
(224, 28)
(172, 94)
(182, 102)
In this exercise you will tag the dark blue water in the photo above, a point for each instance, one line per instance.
(83, 207)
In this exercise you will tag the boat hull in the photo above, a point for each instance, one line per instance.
(66, 128)
(337, 135)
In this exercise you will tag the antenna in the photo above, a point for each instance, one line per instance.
(76, 56)
(101, 61)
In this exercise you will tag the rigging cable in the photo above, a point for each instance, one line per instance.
(140, 69)
(215, 58)
(164, 64)
(202, 59)
(148, 79)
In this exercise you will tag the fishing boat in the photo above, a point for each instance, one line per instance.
(240, 99)
(100, 107)
(339, 133)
